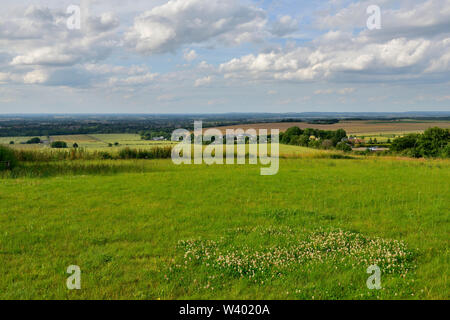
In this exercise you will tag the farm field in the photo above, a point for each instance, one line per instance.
(153, 230)
(98, 142)
(360, 128)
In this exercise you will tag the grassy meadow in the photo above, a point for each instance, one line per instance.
(147, 229)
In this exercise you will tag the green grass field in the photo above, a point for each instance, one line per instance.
(93, 142)
(153, 230)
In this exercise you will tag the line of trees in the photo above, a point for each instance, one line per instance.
(150, 135)
(315, 138)
(433, 143)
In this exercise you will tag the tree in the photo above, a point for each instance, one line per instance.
(11, 142)
(403, 143)
(59, 145)
(433, 141)
(339, 135)
(116, 144)
(75, 145)
(446, 151)
(304, 140)
(290, 135)
(8, 159)
(34, 141)
(343, 147)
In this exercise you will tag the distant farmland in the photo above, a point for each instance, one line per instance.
(354, 127)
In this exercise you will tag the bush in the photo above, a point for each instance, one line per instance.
(446, 151)
(343, 147)
(432, 143)
(8, 159)
(34, 141)
(327, 144)
(11, 142)
(59, 145)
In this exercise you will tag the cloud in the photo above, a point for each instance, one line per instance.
(203, 81)
(166, 98)
(389, 54)
(36, 77)
(36, 47)
(144, 79)
(344, 91)
(190, 56)
(51, 56)
(284, 26)
(405, 19)
(176, 23)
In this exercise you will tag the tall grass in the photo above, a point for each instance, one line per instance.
(75, 168)
(84, 154)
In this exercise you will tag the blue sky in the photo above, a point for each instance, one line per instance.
(218, 56)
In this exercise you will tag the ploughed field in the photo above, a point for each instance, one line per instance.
(355, 127)
(153, 230)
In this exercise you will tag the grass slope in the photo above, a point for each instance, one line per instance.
(169, 232)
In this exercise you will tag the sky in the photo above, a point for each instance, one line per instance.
(220, 56)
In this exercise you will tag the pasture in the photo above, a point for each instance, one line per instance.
(152, 230)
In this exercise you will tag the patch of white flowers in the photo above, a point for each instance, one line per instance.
(344, 249)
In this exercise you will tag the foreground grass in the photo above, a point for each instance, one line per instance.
(159, 232)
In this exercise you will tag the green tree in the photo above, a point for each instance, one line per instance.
(34, 141)
(290, 135)
(343, 147)
(446, 151)
(339, 135)
(433, 142)
(59, 145)
(403, 143)
(304, 140)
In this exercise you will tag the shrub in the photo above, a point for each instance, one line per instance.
(75, 145)
(8, 159)
(446, 151)
(11, 142)
(59, 145)
(327, 144)
(343, 147)
(34, 141)
(404, 143)
(433, 142)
